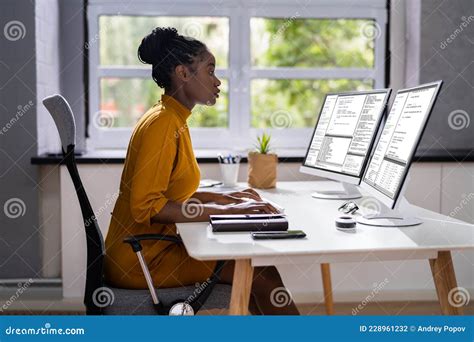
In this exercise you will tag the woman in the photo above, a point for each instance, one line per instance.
(161, 176)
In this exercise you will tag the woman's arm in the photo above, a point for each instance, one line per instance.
(207, 196)
(226, 197)
(190, 211)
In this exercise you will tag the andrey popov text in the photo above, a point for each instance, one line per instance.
(448, 329)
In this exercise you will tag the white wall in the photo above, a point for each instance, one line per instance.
(47, 83)
(435, 186)
(47, 70)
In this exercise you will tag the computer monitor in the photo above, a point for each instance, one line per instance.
(386, 174)
(342, 139)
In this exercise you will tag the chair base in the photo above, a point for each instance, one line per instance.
(139, 302)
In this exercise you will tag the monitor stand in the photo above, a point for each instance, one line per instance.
(350, 192)
(386, 217)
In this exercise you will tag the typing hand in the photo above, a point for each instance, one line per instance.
(247, 193)
(228, 199)
(236, 197)
(252, 207)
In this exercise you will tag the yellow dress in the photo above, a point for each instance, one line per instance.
(160, 166)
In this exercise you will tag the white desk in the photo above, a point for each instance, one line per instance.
(433, 240)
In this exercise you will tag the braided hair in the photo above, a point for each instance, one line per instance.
(165, 49)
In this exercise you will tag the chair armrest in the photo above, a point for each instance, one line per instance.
(197, 301)
(134, 240)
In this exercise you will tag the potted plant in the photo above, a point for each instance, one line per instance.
(262, 164)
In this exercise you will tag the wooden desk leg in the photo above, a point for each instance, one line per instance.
(445, 280)
(241, 287)
(327, 287)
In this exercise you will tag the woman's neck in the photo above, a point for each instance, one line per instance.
(179, 95)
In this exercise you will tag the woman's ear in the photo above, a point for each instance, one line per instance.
(182, 73)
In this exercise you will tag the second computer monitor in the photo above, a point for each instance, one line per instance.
(392, 156)
(344, 135)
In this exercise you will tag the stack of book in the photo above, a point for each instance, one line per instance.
(249, 223)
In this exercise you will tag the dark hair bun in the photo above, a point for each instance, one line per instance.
(154, 45)
(164, 48)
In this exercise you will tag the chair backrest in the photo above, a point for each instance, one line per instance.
(64, 120)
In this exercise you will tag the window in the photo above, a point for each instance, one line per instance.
(276, 62)
(124, 98)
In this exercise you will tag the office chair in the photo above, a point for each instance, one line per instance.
(101, 299)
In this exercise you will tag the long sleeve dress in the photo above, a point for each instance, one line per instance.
(160, 166)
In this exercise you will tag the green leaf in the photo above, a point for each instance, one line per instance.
(263, 143)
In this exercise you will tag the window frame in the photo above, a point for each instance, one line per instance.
(239, 135)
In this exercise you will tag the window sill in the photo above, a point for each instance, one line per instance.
(118, 157)
(209, 156)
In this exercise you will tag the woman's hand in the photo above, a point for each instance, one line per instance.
(247, 193)
(251, 207)
(210, 203)
(236, 197)
(225, 199)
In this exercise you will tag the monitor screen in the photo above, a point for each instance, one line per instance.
(345, 131)
(399, 139)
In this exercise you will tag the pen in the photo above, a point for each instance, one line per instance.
(230, 159)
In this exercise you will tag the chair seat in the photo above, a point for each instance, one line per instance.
(139, 302)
